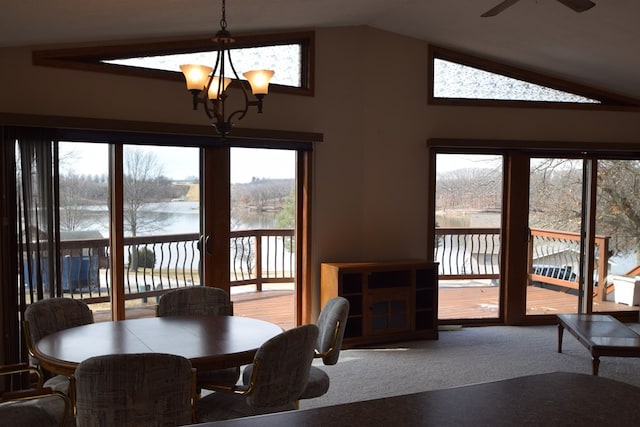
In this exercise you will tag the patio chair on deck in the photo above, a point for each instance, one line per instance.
(47, 316)
(196, 301)
(279, 375)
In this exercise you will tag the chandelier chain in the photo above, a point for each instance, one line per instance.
(223, 20)
(208, 85)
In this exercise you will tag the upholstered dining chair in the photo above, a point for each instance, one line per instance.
(331, 324)
(47, 316)
(195, 301)
(26, 403)
(279, 375)
(143, 389)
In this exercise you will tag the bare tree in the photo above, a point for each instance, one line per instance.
(476, 188)
(143, 184)
(618, 210)
(77, 195)
(261, 194)
(555, 195)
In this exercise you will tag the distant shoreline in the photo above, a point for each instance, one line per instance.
(192, 194)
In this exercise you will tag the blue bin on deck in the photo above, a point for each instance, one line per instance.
(43, 270)
(79, 272)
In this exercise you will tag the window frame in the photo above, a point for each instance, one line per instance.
(89, 58)
(517, 154)
(145, 133)
(608, 100)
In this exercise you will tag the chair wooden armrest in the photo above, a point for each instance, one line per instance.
(20, 368)
(43, 393)
(34, 393)
(236, 389)
(334, 343)
(14, 368)
(240, 388)
(26, 393)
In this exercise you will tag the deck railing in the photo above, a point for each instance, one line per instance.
(474, 253)
(468, 253)
(555, 259)
(155, 264)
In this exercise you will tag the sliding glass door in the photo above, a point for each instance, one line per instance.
(137, 220)
(584, 217)
(263, 229)
(468, 217)
(561, 237)
(617, 225)
(160, 223)
(116, 218)
(555, 243)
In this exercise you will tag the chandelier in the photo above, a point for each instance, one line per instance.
(208, 85)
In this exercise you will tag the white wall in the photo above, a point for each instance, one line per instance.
(370, 104)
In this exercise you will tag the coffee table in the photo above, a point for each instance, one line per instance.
(602, 335)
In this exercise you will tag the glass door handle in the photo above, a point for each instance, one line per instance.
(207, 245)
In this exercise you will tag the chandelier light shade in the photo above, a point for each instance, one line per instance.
(208, 85)
(259, 81)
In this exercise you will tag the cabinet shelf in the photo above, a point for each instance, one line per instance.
(355, 305)
(389, 301)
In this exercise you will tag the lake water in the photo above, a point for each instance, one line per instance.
(180, 217)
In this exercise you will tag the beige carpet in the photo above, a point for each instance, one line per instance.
(460, 357)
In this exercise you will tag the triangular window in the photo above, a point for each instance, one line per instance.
(453, 80)
(289, 55)
(462, 79)
(285, 60)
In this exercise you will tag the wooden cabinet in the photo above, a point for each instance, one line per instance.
(389, 301)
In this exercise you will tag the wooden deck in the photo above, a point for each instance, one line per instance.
(276, 306)
(476, 302)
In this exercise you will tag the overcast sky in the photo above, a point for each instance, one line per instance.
(246, 163)
(182, 162)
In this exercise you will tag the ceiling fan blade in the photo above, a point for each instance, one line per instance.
(578, 5)
(499, 8)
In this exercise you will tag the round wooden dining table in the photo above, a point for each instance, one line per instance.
(209, 342)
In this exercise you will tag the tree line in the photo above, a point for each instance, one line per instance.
(555, 197)
(84, 198)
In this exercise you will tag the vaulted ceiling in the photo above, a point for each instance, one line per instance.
(599, 47)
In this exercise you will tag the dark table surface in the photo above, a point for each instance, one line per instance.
(209, 342)
(554, 399)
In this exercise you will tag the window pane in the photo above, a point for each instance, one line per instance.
(84, 224)
(161, 222)
(263, 221)
(452, 80)
(285, 60)
(555, 217)
(467, 247)
(618, 222)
